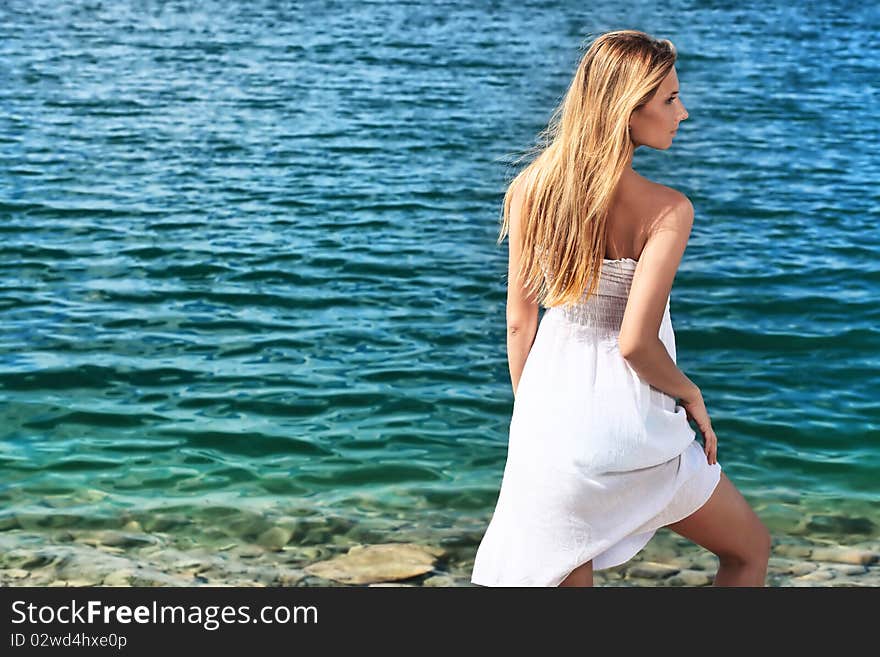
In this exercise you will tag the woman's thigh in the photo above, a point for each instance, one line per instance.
(727, 526)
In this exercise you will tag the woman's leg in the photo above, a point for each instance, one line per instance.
(727, 526)
(580, 576)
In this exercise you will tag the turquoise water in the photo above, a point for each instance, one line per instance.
(250, 272)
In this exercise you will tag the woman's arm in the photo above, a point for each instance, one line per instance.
(522, 311)
(639, 339)
(653, 364)
(520, 339)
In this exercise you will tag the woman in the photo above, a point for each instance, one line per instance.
(600, 455)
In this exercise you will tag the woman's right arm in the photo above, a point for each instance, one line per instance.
(639, 337)
(522, 311)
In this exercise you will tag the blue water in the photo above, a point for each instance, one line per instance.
(249, 260)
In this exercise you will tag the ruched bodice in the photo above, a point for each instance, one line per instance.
(616, 278)
(601, 315)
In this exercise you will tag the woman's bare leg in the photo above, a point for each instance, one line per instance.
(580, 576)
(727, 526)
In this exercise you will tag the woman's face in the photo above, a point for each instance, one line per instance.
(654, 123)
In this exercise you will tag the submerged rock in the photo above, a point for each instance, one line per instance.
(275, 538)
(651, 570)
(440, 581)
(120, 577)
(845, 555)
(124, 539)
(690, 578)
(377, 563)
(792, 550)
(838, 524)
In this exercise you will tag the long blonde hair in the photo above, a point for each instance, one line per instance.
(568, 187)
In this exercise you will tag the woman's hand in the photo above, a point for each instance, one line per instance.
(695, 409)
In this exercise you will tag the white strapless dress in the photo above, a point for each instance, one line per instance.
(598, 460)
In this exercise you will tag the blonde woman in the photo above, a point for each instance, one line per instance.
(600, 452)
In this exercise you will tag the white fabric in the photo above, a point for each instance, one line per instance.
(597, 459)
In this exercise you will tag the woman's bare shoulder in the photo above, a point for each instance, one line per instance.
(665, 204)
(660, 195)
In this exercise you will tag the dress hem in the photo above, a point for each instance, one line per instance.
(648, 534)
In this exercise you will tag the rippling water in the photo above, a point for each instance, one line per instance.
(249, 269)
